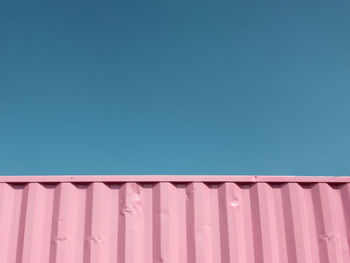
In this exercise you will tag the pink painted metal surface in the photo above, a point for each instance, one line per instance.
(181, 219)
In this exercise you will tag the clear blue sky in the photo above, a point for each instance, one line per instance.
(175, 87)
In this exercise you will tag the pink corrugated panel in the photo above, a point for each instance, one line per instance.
(185, 219)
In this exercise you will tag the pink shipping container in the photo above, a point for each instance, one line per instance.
(183, 219)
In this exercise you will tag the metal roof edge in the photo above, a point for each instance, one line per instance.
(173, 178)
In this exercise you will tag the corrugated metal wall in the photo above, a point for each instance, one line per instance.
(175, 222)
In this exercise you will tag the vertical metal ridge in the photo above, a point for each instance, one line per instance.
(225, 241)
(264, 221)
(184, 233)
(267, 218)
(22, 223)
(215, 221)
(97, 213)
(64, 234)
(256, 225)
(6, 207)
(310, 219)
(232, 225)
(54, 223)
(33, 232)
(165, 241)
(158, 225)
(200, 218)
(34, 215)
(298, 228)
(339, 221)
(47, 222)
(149, 228)
(17, 197)
(114, 229)
(251, 253)
(320, 225)
(121, 225)
(287, 236)
(190, 224)
(283, 223)
(87, 250)
(345, 202)
(327, 229)
(277, 193)
(82, 215)
(132, 223)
